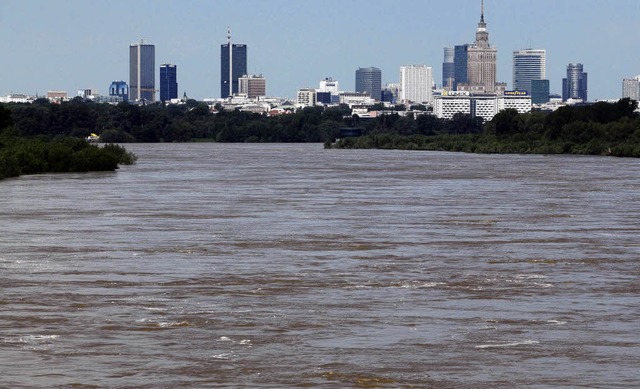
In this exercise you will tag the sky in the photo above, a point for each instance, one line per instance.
(78, 44)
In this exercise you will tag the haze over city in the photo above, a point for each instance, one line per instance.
(71, 45)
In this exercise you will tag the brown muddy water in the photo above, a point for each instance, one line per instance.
(232, 265)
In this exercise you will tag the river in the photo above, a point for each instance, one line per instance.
(287, 265)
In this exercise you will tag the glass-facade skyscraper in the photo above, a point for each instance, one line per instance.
(448, 69)
(575, 85)
(168, 82)
(460, 59)
(528, 65)
(233, 65)
(369, 80)
(142, 71)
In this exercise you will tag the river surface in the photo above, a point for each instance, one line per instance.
(233, 265)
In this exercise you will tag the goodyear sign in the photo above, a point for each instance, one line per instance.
(516, 93)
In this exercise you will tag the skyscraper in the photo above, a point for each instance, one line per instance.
(168, 82)
(448, 68)
(415, 84)
(233, 65)
(481, 62)
(369, 80)
(528, 65)
(142, 71)
(460, 60)
(575, 85)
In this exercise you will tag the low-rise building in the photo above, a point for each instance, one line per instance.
(484, 106)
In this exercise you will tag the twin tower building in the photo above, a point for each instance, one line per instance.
(233, 77)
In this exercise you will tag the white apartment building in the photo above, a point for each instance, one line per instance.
(486, 107)
(416, 82)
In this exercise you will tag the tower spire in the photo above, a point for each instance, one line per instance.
(481, 11)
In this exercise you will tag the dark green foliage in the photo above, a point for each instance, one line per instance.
(597, 129)
(600, 128)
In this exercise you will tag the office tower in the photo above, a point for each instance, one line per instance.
(575, 85)
(448, 69)
(233, 65)
(481, 62)
(631, 88)
(142, 71)
(253, 86)
(168, 82)
(416, 83)
(119, 89)
(369, 80)
(528, 65)
(539, 91)
(460, 60)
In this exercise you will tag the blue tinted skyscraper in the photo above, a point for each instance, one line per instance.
(460, 60)
(168, 82)
(142, 71)
(233, 65)
(369, 80)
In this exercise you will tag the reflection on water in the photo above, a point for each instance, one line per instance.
(290, 265)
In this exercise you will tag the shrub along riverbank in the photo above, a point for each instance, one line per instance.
(30, 155)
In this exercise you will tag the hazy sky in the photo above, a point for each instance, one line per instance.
(76, 44)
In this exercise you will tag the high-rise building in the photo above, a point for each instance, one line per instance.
(540, 91)
(168, 82)
(416, 83)
(481, 62)
(448, 69)
(233, 65)
(253, 86)
(575, 85)
(631, 88)
(460, 59)
(119, 89)
(142, 71)
(369, 80)
(528, 65)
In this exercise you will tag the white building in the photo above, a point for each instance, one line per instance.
(329, 85)
(306, 97)
(356, 98)
(631, 88)
(416, 83)
(484, 106)
(528, 65)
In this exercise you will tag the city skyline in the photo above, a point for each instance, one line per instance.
(292, 54)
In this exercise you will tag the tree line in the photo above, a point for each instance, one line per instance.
(601, 128)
